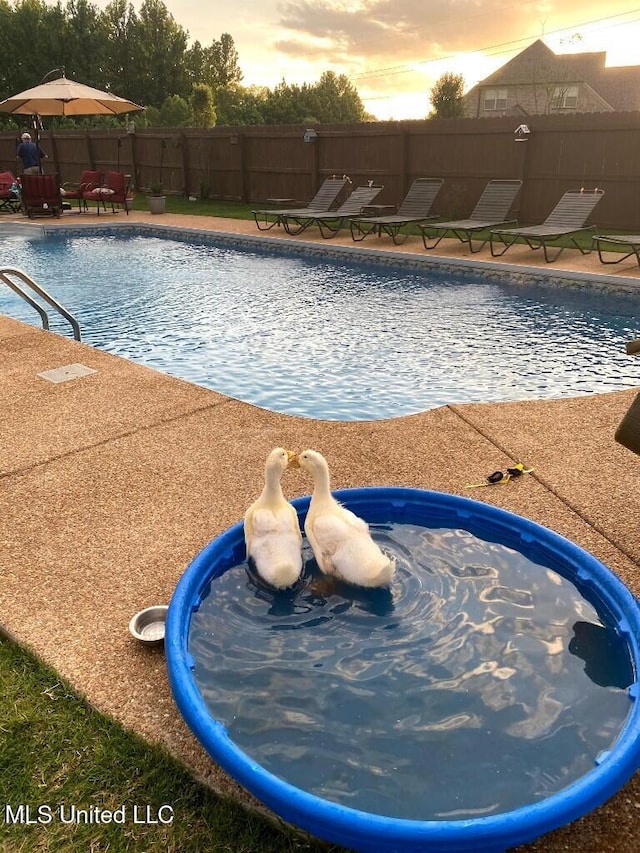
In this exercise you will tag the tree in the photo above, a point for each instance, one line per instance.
(10, 80)
(333, 99)
(161, 45)
(202, 106)
(194, 60)
(216, 65)
(446, 96)
(239, 105)
(149, 118)
(223, 62)
(121, 70)
(175, 112)
(34, 26)
(86, 44)
(285, 104)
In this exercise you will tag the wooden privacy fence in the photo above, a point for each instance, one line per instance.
(254, 164)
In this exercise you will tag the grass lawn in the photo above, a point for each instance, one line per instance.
(57, 750)
(206, 207)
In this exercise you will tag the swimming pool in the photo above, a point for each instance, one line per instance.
(320, 337)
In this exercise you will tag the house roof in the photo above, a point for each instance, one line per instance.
(619, 88)
(538, 63)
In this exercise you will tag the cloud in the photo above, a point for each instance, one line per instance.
(379, 27)
(385, 44)
(422, 29)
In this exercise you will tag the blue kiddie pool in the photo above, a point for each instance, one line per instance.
(486, 698)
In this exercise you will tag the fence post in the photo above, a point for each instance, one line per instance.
(186, 174)
(90, 158)
(131, 133)
(524, 143)
(315, 164)
(243, 170)
(54, 154)
(404, 160)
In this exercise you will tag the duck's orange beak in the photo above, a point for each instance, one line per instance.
(292, 459)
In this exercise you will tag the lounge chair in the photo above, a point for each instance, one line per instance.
(626, 241)
(416, 207)
(113, 191)
(89, 179)
(323, 201)
(331, 222)
(492, 209)
(9, 198)
(41, 195)
(566, 219)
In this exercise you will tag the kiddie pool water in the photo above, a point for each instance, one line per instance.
(323, 338)
(461, 692)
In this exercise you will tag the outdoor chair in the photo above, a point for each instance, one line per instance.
(324, 200)
(416, 207)
(41, 195)
(567, 219)
(630, 242)
(113, 191)
(89, 180)
(492, 209)
(9, 198)
(331, 222)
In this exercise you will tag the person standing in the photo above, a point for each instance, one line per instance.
(30, 155)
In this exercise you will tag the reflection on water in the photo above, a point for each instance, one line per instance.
(319, 588)
(459, 692)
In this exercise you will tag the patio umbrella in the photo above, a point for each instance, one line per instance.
(65, 97)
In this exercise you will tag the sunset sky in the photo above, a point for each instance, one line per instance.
(394, 50)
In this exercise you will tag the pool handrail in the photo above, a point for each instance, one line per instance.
(5, 275)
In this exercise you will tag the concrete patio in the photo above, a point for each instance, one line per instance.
(112, 482)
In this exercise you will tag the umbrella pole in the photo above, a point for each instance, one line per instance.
(36, 126)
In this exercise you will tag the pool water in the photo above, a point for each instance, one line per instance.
(327, 339)
(480, 682)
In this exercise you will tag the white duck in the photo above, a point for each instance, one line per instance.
(341, 541)
(271, 529)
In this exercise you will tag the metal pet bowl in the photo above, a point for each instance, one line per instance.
(148, 625)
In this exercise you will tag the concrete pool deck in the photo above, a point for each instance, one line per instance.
(110, 483)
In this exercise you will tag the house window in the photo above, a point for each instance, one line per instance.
(565, 97)
(495, 99)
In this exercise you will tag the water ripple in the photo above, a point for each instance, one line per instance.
(462, 690)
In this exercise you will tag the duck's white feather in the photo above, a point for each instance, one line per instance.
(341, 541)
(271, 529)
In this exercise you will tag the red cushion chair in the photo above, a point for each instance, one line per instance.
(89, 179)
(113, 191)
(41, 195)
